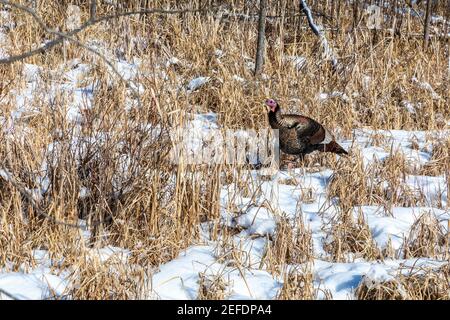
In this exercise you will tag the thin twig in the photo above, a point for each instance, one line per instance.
(8, 177)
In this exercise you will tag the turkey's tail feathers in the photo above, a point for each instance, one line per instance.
(334, 147)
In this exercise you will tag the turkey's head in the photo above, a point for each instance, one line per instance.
(272, 104)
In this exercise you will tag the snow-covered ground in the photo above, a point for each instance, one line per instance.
(179, 279)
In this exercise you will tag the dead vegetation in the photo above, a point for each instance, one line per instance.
(109, 164)
(426, 239)
(351, 239)
(422, 285)
(292, 244)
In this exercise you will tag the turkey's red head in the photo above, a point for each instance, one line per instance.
(272, 104)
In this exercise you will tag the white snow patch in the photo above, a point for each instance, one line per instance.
(196, 83)
(323, 96)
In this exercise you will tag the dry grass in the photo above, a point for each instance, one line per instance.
(440, 159)
(109, 280)
(428, 285)
(350, 237)
(426, 239)
(153, 207)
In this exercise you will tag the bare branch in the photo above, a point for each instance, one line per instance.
(318, 31)
(76, 41)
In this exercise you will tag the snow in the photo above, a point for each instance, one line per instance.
(38, 283)
(247, 278)
(395, 225)
(30, 286)
(127, 70)
(3, 45)
(270, 199)
(196, 83)
(396, 140)
(411, 107)
(109, 252)
(257, 221)
(377, 274)
(6, 21)
(426, 86)
(179, 278)
(341, 279)
(219, 53)
(434, 189)
(173, 61)
(31, 72)
(238, 79)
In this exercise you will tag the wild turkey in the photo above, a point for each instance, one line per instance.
(301, 135)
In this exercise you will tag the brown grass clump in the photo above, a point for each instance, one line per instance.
(297, 285)
(380, 183)
(352, 185)
(439, 163)
(230, 254)
(211, 288)
(426, 238)
(107, 280)
(351, 237)
(392, 172)
(291, 245)
(427, 285)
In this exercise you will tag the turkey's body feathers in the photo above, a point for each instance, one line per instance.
(302, 135)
